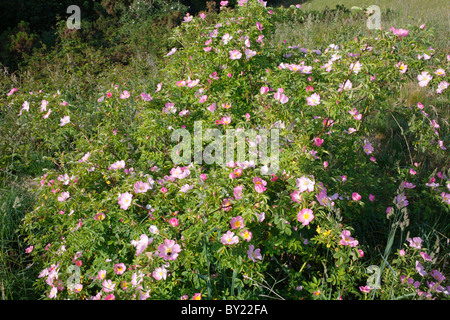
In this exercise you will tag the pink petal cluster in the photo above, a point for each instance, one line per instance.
(169, 250)
(347, 240)
(229, 238)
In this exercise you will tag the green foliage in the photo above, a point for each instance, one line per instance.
(364, 147)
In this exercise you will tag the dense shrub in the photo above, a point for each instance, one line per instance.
(339, 219)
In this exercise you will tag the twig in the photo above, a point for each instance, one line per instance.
(270, 289)
(404, 137)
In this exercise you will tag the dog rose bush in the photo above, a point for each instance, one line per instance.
(120, 219)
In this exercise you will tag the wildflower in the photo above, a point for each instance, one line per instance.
(226, 204)
(324, 199)
(141, 187)
(313, 100)
(44, 104)
(440, 72)
(259, 184)
(124, 95)
(328, 66)
(117, 165)
(347, 240)
(445, 197)
(160, 273)
(347, 85)
(318, 141)
(65, 120)
(355, 67)
(365, 289)
(169, 250)
(169, 107)
(415, 242)
(119, 268)
(225, 120)
(368, 148)
(101, 275)
(109, 297)
(399, 32)
(280, 96)
(64, 196)
(11, 91)
(212, 107)
(143, 242)
(125, 200)
(420, 269)
(400, 201)
(305, 216)
(171, 52)
(229, 238)
(296, 196)
(305, 184)
(225, 38)
(173, 222)
(402, 67)
(53, 293)
(197, 296)
(247, 235)
(235, 54)
(437, 275)
(408, 185)
(153, 229)
(146, 97)
(85, 157)
(424, 78)
(226, 105)
(237, 222)
(108, 286)
(186, 188)
(264, 90)
(356, 196)
(187, 18)
(442, 86)
(249, 53)
(26, 106)
(254, 254)
(259, 26)
(425, 256)
(45, 116)
(237, 192)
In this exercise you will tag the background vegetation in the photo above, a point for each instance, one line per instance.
(125, 42)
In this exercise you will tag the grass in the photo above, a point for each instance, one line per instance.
(16, 197)
(16, 277)
(433, 13)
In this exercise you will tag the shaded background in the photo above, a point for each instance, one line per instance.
(29, 24)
